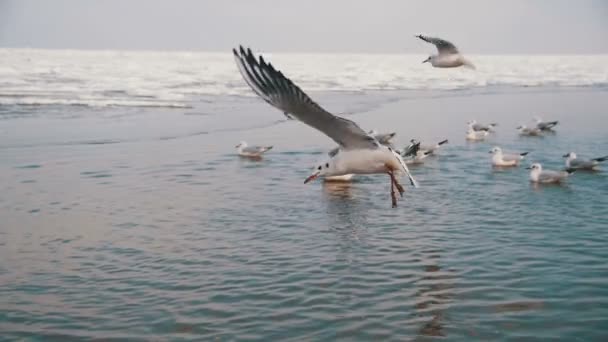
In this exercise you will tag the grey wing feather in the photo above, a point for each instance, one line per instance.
(333, 152)
(280, 92)
(443, 46)
(581, 164)
(548, 176)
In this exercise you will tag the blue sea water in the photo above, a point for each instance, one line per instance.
(134, 221)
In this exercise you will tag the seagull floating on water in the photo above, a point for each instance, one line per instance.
(481, 127)
(359, 152)
(501, 159)
(245, 150)
(538, 175)
(529, 131)
(544, 125)
(474, 135)
(572, 162)
(448, 55)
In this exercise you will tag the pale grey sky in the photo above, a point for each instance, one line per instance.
(476, 26)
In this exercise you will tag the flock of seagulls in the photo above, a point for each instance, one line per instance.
(371, 152)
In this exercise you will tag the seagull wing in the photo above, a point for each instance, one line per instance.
(443, 46)
(279, 91)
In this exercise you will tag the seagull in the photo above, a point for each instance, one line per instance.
(448, 57)
(430, 149)
(573, 162)
(359, 152)
(481, 127)
(245, 150)
(538, 175)
(383, 138)
(545, 125)
(500, 159)
(411, 149)
(476, 135)
(417, 158)
(529, 131)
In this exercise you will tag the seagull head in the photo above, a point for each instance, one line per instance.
(241, 144)
(570, 155)
(322, 169)
(535, 167)
(496, 150)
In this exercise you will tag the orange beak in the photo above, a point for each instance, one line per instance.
(311, 177)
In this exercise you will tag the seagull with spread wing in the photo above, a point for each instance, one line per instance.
(359, 153)
(448, 55)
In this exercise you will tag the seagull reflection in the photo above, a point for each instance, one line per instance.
(338, 189)
(434, 296)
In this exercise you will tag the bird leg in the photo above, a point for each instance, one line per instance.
(393, 197)
(394, 181)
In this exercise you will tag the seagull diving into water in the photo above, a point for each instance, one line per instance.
(359, 153)
(448, 55)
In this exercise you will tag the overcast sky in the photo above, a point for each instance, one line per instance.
(378, 26)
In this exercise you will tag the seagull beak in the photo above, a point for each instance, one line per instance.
(311, 177)
(426, 60)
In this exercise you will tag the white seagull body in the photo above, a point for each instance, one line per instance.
(481, 127)
(448, 55)
(359, 152)
(501, 159)
(473, 135)
(538, 175)
(572, 162)
(245, 150)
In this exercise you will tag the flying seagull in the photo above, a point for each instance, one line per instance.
(359, 153)
(448, 55)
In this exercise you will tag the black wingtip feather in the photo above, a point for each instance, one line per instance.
(443, 142)
(524, 154)
(601, 159)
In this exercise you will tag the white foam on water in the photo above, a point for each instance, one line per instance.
(173, 79)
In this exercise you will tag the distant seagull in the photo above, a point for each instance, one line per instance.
(572, 162)
(412, 149)
(383, 138)
(429, 149)
(481, 127)
(501, 159)
(529, 131)
(448, 56)
(473, 135)
(538, 175)
(417, 158)
(545, 125)
(245, 150)
(359, 152)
